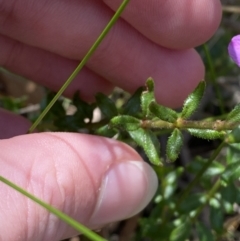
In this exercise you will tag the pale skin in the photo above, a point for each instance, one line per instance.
(44, 41)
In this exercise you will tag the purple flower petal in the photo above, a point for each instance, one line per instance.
(234, 49)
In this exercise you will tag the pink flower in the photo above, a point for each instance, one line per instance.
(234, 49)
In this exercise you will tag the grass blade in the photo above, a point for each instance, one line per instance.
(70, 221)
(82, 63)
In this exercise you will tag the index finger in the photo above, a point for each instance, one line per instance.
(173, 24)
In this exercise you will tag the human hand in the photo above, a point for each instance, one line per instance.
(43, 41)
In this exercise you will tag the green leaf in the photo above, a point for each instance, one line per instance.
(216, 218)
(215, 203)
(69, 123)
(170, 181)
(147, 97)
(84, 110)
(133, 105)
(149, 142)
(150, 84)
(57, 109)
(174, 144)
(232, 172)
(233, 153)
(171, 175)
(190, 203)
(193, 100)
(105, 131)
(125, 122)
(230, 193)
(204, 232)
(197, 164)
(234, 115)
(12, 103)
(234, 135)
(169, 191)
(181, 232)
(207, 134)
(163, 112)
(149, 230)
(214, 170)
(106, 105)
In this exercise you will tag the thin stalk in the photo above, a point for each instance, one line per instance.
(190, 124)
(213, 76)
(209, 195)
(209, 125)
(81, 64)
(196, 180)
(231, 9)
(79, 227)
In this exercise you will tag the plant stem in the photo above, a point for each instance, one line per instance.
(79, 227)
(209, 195)
(199, 175)
(190, 124)
(81, 64)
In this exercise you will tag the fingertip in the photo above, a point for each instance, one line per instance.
(174, 85)
(173, 24)
(12, 125)
(70, 171)
(126, 189)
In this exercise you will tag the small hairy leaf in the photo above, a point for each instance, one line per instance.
(133, 105)
(105, 131)
(147, 97)
(125, 122)
(174, 144)
(150, 84)
(207, 134)
(163, 112)
(193, 100)
(106, 105)
(181, 232)
(149, 142)
(234, 115)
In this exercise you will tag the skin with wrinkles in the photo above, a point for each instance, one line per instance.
(164, 22)
(63, 176)
(90, 178)
(126, 57)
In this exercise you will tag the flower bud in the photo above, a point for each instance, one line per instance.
(234, 49)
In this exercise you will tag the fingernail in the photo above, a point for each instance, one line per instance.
(126, 189)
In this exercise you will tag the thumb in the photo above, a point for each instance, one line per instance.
(95, 180)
